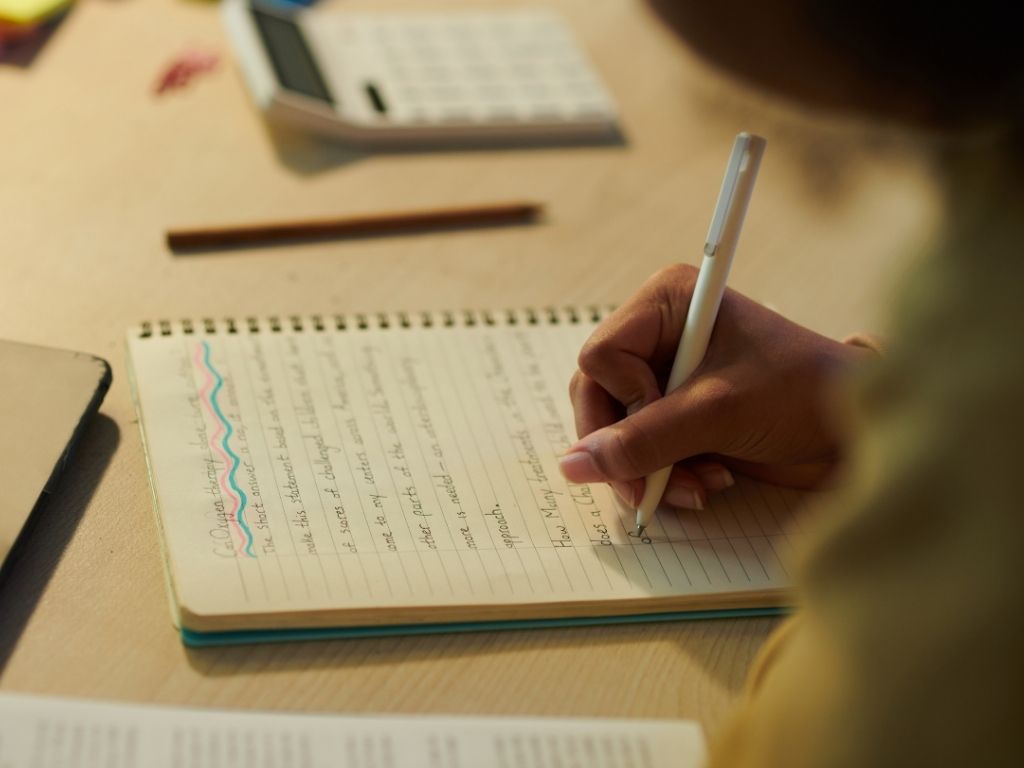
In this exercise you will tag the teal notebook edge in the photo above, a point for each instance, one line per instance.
(209, 639)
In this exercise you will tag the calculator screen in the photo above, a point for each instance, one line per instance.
(290, 55)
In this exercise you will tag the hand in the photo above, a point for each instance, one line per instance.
(756, 404)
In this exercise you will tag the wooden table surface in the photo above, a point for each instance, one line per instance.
(94, 167)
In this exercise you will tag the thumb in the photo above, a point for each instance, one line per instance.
(682, 424)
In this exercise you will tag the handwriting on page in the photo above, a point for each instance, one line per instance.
(369, 465)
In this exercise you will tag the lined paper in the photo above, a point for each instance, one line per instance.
(38, 731)
(305, 469)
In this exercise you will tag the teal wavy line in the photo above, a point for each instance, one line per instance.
(235, 459)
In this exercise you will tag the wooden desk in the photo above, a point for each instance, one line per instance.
(94, 167)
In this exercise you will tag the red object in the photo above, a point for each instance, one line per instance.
(11, 33)
(183, 68)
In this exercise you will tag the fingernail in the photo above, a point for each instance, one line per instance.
(717, 479)
(681, 496)
(580, 467)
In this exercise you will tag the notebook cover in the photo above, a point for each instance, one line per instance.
(209, 639)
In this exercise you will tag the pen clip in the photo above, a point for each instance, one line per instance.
(737, 164)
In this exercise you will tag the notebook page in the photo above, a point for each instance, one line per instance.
(37, 731)
(388, 472)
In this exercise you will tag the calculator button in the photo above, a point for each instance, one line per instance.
(446, 93)
(547, 112)
(470, 68)
(592, 112)
(457, 116)
(436, 73)
(373, 93)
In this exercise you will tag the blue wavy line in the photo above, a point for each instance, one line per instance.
(235, 459)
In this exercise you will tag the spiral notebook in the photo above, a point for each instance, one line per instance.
(348, 475)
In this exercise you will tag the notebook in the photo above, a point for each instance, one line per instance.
(46, 731)
(347, 475)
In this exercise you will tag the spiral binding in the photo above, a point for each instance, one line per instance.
(359, 321)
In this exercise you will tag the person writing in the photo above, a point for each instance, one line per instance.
(905, 648)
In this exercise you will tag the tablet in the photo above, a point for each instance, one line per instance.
(46, 398)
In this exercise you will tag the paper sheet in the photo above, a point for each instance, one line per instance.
(63, 733)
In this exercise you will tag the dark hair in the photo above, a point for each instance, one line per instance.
(943, 63)
(965, 59)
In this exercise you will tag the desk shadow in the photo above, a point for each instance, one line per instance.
(307, 154)
(714, 645)
(44, 538)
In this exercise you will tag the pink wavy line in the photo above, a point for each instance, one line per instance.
(204, 396)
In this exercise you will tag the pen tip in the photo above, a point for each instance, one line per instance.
(640, 530)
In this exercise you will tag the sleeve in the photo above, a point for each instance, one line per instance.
(906, 648)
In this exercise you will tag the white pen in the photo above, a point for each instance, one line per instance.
(719, 249)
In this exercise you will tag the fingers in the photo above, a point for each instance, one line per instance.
(805, 475)
(593, 408)
(684, 489)
(689, 422)
(689, 485)
(752, 403)
(617, 376)
(713, 474)
(639, 338)
(621, 367)
(618, 362)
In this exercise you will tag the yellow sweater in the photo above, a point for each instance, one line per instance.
(908, 646)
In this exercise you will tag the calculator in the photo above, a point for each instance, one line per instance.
(504, 76)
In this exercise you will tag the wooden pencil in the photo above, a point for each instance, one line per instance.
(398, 222)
